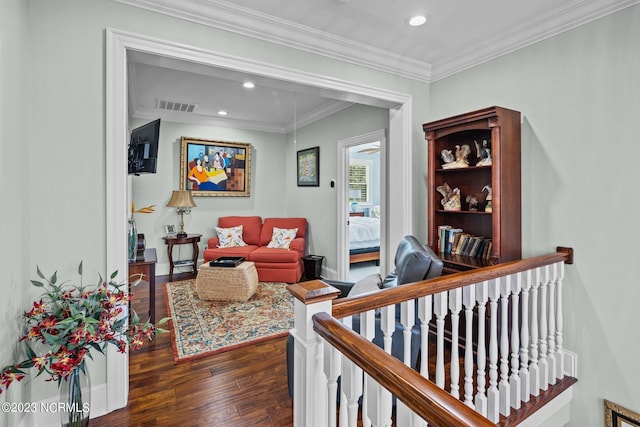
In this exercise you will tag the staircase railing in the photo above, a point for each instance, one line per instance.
(508, 350)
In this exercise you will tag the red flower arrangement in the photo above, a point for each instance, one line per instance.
(71, 320)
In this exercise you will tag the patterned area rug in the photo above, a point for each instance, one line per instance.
(202, 328)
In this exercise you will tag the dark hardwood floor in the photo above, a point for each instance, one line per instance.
(239, 388)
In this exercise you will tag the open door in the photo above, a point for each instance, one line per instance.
(361, 204)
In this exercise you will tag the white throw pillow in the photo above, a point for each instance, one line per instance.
(370, 283)
(230, 237)
(282, 237)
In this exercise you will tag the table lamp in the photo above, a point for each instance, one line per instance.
(183, 202)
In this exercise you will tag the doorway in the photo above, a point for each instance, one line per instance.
(118, 43)
(361, 213)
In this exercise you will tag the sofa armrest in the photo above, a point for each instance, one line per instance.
(299, 245)
(213, 242)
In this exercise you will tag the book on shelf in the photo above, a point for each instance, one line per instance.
(456, 241)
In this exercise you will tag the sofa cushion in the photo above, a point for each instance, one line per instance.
(282, 237)
(274, 255)
(251, 227)
(269, 223)
(230, 237)
(243, 251)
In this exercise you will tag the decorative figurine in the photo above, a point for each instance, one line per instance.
(447, 157)
(483, 153)
(472, 200)
(450, 198)
(462, 152)
(488, 207)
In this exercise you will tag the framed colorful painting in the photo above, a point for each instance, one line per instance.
(215, 168)
(309, 167)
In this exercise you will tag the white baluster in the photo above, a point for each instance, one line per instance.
(505, 389)
(455, 305)
(514, 380)
(551, 336)
(440, 310)
(525, 380)
(482, 296)
(404, 415)
(469, 301)
(352, 387)
(559, 324)
(367, 330)
(542, 339)
(388, 324)
(377, 413)
(493, 395)
(534, 368)
(425, 314)
(332, 367)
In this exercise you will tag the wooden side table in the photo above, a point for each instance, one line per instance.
(147, 267)
(191, 239)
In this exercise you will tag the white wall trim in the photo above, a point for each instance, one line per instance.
(239, 20)
(118, 43)
(51, 418)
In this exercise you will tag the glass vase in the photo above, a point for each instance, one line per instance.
(132, 239)
(75, 398)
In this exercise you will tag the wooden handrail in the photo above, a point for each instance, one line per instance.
(343, 307)
(421, 395)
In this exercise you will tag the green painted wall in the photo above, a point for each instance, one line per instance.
(579, 94)
(15, 185)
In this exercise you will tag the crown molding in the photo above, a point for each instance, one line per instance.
(571, 15)
(247, 22)
(229, 17)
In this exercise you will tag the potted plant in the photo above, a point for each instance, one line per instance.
(67, 324)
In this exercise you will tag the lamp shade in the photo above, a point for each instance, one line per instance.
(181, 199)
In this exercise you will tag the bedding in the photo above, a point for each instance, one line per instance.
(364, 239)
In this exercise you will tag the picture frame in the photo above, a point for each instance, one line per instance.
(308, 167)
(170, 229)
(213, 168)
(617, 416)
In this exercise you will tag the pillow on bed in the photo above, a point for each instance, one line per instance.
(282, 237)
(230, 237)
(365, 285)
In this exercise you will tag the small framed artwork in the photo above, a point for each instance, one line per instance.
(309, 167)
(617, 416)
(215, 168)
(170, 229)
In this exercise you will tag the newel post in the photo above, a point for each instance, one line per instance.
(310, 383)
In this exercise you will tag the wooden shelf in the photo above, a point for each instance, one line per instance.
(500, 127)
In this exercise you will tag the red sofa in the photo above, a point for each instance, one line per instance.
(272, 264)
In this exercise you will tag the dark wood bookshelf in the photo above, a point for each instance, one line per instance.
(501, 128)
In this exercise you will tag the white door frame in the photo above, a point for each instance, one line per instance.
(342, 183)
(118, 42)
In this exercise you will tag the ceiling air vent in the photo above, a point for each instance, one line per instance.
(175, 106)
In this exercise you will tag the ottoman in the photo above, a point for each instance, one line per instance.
(227, 283)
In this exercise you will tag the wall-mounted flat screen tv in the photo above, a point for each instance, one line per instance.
(143, 148)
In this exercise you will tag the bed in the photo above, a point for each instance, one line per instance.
(364, 238)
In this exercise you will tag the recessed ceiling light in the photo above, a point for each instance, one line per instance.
(417, 20)
(248, 85)
(222, 113)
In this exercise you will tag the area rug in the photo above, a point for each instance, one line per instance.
(202, 328)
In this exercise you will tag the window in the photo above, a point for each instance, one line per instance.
(360, 180)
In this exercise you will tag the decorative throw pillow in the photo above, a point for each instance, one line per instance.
(282, 237)
(370, 283)
(230, 237)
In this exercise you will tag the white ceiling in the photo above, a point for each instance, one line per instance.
(372, 33)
